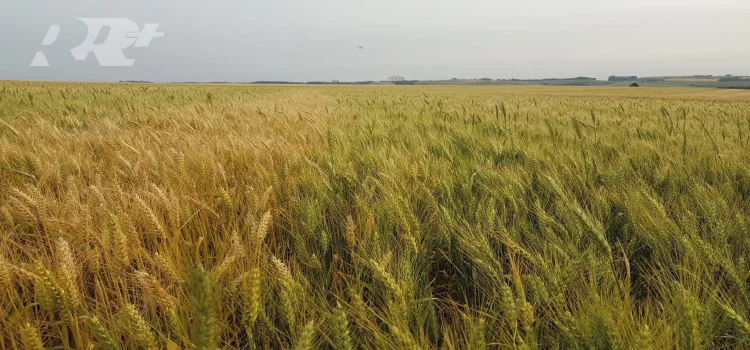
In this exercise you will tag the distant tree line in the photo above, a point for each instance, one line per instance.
(726, 79)
(336, 82)
(622, 78)
(576, 78)
(275, 82)
(516, 79)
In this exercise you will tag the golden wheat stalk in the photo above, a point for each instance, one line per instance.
(67, 271)
(30, 338)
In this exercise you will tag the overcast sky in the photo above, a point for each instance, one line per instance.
(304, 40)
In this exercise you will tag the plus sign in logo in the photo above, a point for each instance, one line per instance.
(123, 33)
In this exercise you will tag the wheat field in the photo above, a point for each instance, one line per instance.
(303, 217)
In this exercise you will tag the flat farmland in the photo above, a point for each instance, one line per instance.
(248, 216)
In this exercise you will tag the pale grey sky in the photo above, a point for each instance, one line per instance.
(304, 40)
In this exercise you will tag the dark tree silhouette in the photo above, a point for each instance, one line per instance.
(396, 79)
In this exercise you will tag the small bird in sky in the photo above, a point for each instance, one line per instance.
(361, 47)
